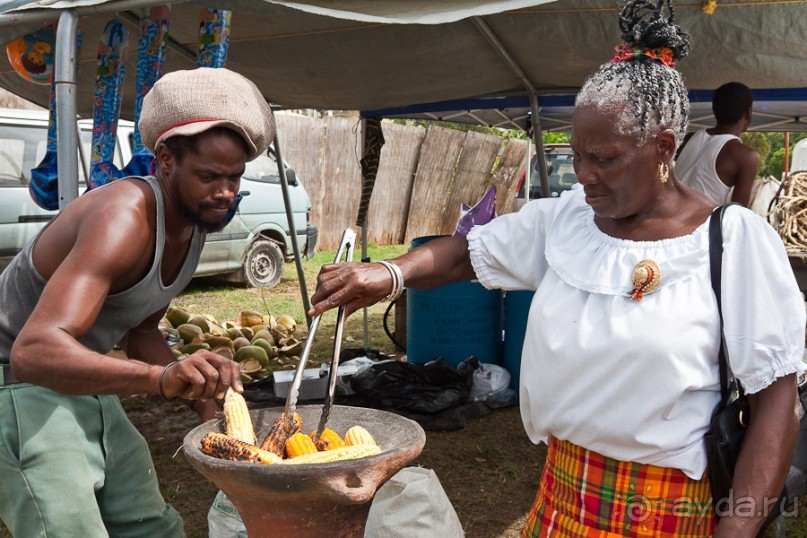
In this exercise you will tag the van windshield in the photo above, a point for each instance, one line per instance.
(264, 168)
(21, 148)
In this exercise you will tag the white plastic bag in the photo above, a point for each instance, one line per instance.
(412, 504)
(223, 520)
(488, 379)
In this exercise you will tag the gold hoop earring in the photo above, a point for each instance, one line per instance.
(664, 172)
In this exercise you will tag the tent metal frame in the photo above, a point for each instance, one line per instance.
(65, 60)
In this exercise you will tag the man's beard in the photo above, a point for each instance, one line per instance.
(207, 227)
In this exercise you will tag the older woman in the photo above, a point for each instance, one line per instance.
(621, 381)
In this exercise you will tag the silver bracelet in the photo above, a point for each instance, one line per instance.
(397, 281)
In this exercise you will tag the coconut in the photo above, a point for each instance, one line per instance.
(192, 348)
(252, 352)
(264, 334)
(224, 351)
(177, 316)
(250, 366)
(292, 347)
(201, 322)
(240, 342)
(218, 341)
(260, 342)
(188, 332)
(248, 318)
(287, 322)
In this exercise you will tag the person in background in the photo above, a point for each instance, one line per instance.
(619, 371)
(715, 161)
(103, 272)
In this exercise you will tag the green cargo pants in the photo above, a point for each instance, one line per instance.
(75, 467)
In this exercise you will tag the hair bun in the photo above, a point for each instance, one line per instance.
(644, 24)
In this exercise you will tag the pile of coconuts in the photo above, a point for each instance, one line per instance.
(259, 343)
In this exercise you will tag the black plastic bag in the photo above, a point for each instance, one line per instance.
(419, 388)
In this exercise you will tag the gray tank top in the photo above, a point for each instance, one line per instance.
(21, 286)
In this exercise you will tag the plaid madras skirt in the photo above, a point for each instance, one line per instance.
(585, 494)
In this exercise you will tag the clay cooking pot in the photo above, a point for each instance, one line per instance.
(310, 500)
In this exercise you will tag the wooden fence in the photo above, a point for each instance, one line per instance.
(423, 177)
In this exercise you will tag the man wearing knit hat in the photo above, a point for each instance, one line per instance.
(103, 273)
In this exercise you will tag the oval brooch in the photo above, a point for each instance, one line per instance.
(646, 279)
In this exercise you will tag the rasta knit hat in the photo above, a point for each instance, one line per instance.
(187, 103)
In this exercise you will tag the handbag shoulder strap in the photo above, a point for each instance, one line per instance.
(715, 269)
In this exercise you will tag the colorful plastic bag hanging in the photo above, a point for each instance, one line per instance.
(483, 212)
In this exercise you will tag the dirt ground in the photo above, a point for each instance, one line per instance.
(488, 469)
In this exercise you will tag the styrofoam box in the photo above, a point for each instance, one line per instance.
(312, 386)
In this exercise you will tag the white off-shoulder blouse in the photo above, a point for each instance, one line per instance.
(638, 380)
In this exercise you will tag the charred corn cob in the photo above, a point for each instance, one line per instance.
(357, 435)
(300, 444)
(338, 454)
(225, 447)
(328, 440)
(237, 421)
(280, 431)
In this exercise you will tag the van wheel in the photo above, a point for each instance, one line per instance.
(263, 264)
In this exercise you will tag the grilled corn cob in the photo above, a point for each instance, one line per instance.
(280, 431)
(299, 444)
(345, 453)
(328, 440)
(237, 421)
(357, 435)
(225, 447)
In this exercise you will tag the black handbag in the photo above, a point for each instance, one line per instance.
(731, 415)
(730, 418)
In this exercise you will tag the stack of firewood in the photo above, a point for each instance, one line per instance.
(791, 214)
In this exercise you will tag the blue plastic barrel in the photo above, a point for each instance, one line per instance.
(516, 309)
(455, 321)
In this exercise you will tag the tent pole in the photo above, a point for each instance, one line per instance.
(508, 59)
(284, 187)
(527, 173)
(66, 128)
(364, 255)
(370, 132)
(44, 16)
(540, 158)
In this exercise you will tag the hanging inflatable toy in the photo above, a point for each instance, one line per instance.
(31, 56)
(112, 51)
(214, 38)
(44, 184)
(214, 44)
(150, 67)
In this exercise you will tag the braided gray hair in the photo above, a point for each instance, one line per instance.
(647, 95)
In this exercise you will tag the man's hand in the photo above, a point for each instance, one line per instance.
(201, 376)
(206, 409)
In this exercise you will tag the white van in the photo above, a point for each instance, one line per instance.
(251, 250)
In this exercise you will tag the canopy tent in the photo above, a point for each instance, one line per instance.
(492, 62)
(778, 109)
(501, 63)
(368, 55)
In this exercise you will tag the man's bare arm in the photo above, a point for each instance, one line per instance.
(738, 165)
(48, 351)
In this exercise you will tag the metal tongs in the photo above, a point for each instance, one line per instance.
(347, 244)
